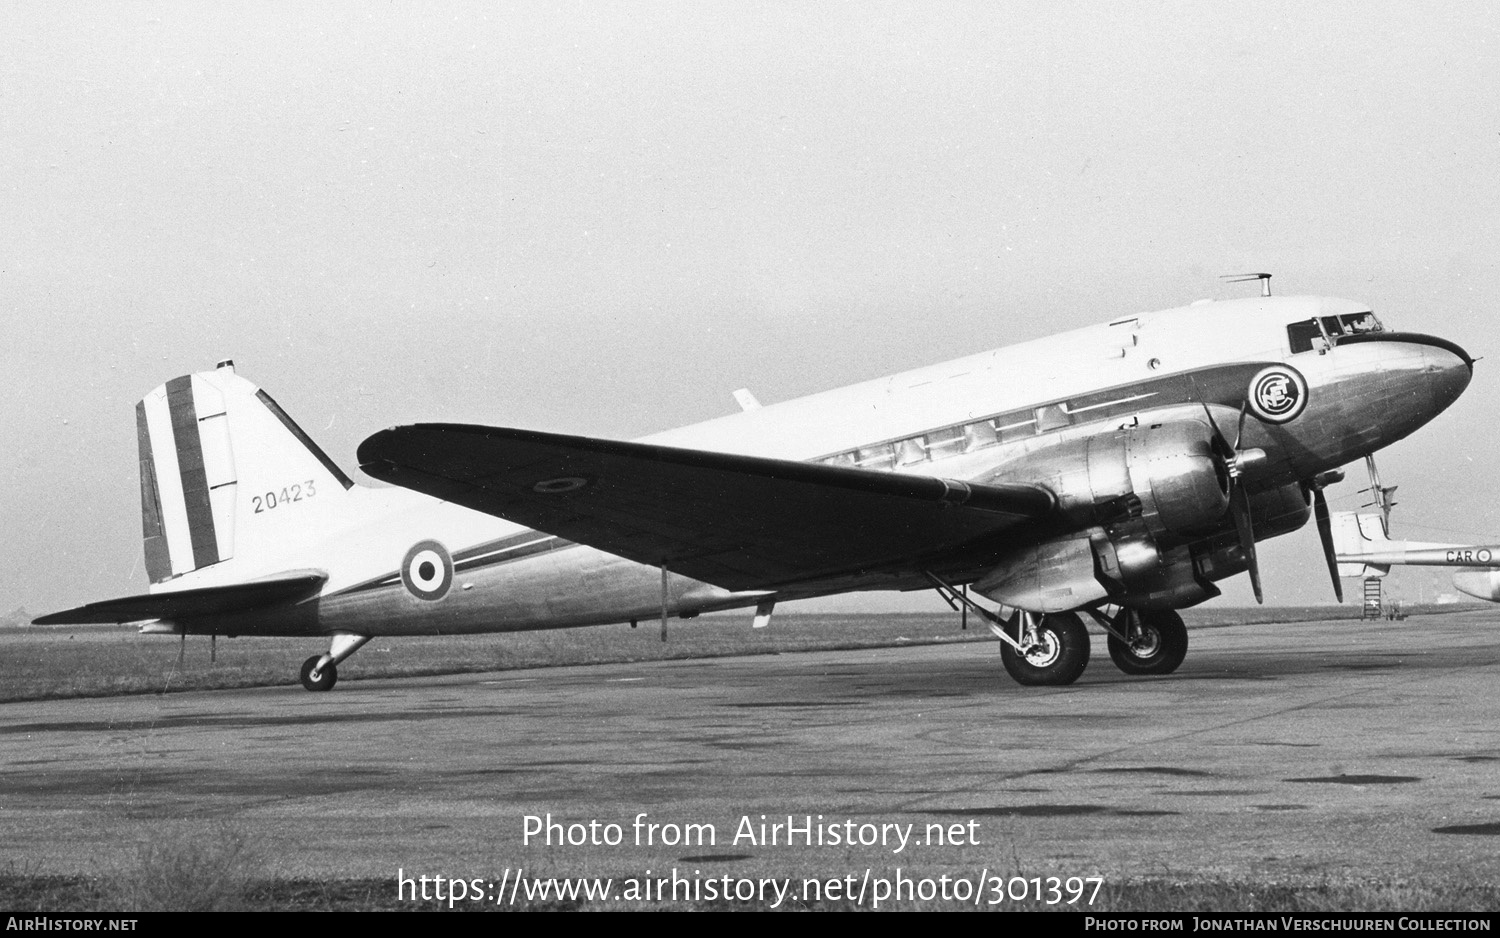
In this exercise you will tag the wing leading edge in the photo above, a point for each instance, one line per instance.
(740, 522)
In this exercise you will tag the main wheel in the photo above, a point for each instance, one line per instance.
(1059, 656)
(326, 678)
(1158, 649)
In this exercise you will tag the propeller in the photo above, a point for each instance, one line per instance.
(1325, 524)
(1236, 461)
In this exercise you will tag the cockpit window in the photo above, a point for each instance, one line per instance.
(1303, 336)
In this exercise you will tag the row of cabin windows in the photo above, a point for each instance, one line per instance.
(952, 441)
(937, 444)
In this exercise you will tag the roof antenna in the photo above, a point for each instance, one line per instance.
(1265, 281)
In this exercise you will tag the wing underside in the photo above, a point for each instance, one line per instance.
(739, 522)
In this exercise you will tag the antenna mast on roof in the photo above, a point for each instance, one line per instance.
(1265, 281)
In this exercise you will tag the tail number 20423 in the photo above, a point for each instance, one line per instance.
(292, 493)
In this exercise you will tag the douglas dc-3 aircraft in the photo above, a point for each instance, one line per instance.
(1117, 470)
(1364, 549)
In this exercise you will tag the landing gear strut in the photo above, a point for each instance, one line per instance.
(320, 672)
(1037, 650)
(1053, 651)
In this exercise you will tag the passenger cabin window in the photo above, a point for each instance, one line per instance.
(947, 442)
(1004, 428)
(979, 435)
(1303, 336)
(1052, 417)
(910, 451)
(875, 457)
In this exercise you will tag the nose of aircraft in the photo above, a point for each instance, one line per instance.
(1449, 368)
(1484, 584)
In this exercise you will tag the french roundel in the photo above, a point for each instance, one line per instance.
(1278, 394)
(427, 571)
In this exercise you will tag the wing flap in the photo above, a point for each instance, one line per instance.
(209, 600)
(741, 522)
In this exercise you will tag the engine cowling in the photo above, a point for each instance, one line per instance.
(1140, 574)
(1280, 510)
(1164, 476)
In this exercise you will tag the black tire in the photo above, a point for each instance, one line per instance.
(1062, 655)
(1162, 645)
(328, 677)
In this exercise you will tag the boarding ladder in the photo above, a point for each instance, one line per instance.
(1372, 608)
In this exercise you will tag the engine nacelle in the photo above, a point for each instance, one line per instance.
(1138, 574)
(1163, 476)
(1153, 502)
(1126, 563)
(1094, 567)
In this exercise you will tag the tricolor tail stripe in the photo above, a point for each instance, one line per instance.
(200, 512)
(158, 557)
(179, 470)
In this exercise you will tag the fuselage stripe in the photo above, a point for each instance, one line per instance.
(478, 557)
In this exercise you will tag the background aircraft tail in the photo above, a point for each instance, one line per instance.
(1355, 534)
(229, 483)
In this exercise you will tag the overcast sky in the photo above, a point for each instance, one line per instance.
(603, 218)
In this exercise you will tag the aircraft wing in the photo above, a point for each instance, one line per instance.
(208, 600)
(740, 522)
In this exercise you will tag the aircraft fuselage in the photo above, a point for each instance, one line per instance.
(984, 417)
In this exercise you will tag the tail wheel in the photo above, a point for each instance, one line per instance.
(1159, 647)
(1058, 656)
(327, 677)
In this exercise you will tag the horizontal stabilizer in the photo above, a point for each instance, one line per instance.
(741, 522)
(284, 588)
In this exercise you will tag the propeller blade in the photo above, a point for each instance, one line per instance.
(1219, 442)
(1325, 532)
(1239, 507)
(1240, 433)
(1209, 413)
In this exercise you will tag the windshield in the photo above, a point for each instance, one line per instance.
(1303, 335)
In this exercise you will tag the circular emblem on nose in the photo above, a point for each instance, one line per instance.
(427, 571)
(1278, 394)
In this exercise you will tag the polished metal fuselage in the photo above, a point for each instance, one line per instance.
(1361, 395)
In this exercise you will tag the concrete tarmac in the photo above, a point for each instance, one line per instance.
(1293, 753)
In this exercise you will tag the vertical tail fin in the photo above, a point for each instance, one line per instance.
(1355, 534)
(222, 468)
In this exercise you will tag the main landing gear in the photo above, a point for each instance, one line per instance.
(1045, 651)
(1037, 650)
(1052, 650)
(1145, 642)
(320, 672)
